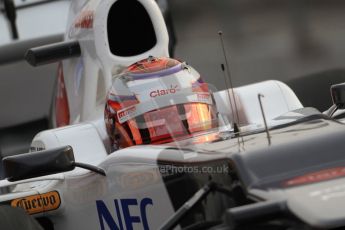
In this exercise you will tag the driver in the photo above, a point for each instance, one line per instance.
(157, 100)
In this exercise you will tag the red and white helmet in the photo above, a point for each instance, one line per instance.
(157, 100)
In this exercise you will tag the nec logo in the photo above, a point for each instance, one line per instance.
(162, 92)
(123, 219)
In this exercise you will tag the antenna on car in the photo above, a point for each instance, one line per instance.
(264, 118)
(11, 14)
(229, 85)
(236, 130)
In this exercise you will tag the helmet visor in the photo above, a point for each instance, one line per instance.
(155, 110)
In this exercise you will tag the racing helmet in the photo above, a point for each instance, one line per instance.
(158, 100)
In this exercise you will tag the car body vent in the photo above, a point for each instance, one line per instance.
(130, 29)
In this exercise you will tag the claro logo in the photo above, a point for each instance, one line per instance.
(162, 92)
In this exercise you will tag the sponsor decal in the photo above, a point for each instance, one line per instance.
(38, 203)
(204, 97)
(36, 149)
(135, 180)
(92, 187)
(126, 114)
(163, 92)
(84, 20)
(37, 146)
(62, 114)
(327, 174)
(123, 217)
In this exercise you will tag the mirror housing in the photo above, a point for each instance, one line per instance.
(338, 95)
(36, 164)
(52, 53)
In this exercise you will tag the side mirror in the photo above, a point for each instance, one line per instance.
(36, 164)
(338, 98)
(52, 53)
(338, 95)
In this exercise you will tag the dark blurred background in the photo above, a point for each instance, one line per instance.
(300, 42)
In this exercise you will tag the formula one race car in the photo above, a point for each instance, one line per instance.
(22, 28)
(142, 142)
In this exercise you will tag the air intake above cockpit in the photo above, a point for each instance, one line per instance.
(133, 37)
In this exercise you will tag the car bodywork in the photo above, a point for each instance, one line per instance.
(143, 184)
(34, 32)
(286, 176)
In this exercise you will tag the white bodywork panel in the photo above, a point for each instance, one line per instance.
(95, 68)
(91, 197)
(278, 100)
